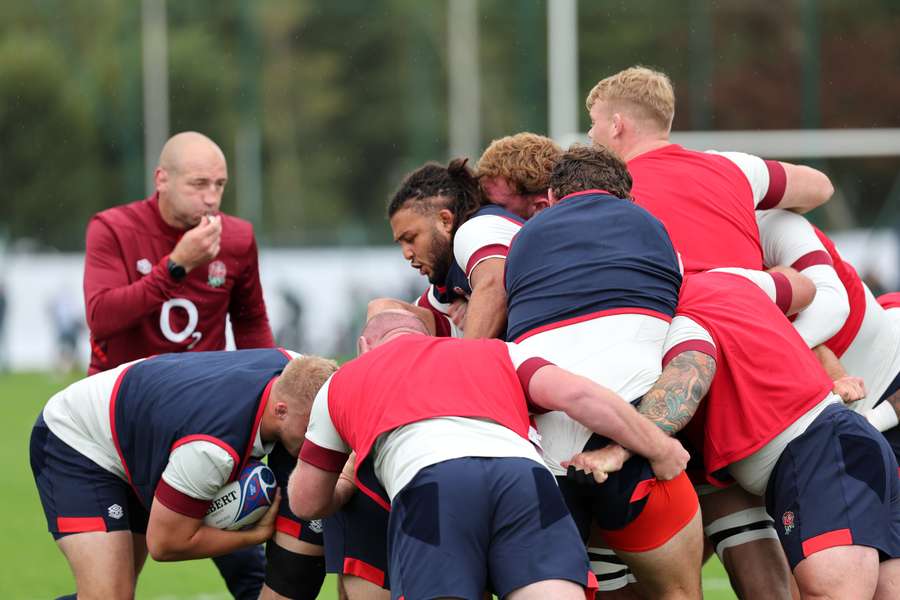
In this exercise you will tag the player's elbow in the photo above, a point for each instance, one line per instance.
(307, 502)
(822, 188)
(163, 548)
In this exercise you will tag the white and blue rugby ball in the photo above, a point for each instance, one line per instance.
(243, 502)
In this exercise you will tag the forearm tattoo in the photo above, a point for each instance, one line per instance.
(674, 398)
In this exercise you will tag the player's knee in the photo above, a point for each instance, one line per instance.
(294, 575)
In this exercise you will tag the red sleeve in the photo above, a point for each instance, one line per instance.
(249, 321)
(112, 303)
(322, 458)
(525, 372)
(777, 185)
(180, 502)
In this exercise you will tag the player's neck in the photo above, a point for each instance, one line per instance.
(645, 145)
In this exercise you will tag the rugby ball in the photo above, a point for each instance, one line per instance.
(243, 502)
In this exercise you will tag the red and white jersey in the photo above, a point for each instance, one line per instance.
(444, 325)
(136, 309)
(420, 400)
(622, 352)
(766, 377)
(707, 201)
(869, 342)
(487, 234)
(789, 240)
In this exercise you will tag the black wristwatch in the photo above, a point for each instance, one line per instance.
(176, 271)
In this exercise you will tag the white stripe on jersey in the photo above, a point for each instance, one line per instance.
(480, 232)
(786, 237)
(753, 168)
(621, 352)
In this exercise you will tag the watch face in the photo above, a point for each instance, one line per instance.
(175, 270)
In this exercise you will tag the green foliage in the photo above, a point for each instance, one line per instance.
(348, 96)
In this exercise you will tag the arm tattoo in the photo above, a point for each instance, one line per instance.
(674, 398)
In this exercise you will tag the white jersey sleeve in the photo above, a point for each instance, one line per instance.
(789, 240)
(321, 430)
(483, 237)
(198, 469)
(754, 169)
(686, 335)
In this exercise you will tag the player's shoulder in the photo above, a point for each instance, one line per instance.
(131, 214)
(237, 232)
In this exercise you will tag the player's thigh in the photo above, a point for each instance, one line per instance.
(356, 542)
(533, 536)
(842, 459)
(358, 588)
(550, 588)
(742, 533)
(673, 569)
(845, 572)
(102, 562)
(441, 518)
(888, 580)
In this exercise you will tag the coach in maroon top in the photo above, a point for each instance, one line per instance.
(161, 274)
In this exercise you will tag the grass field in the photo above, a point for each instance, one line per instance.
(34, 569)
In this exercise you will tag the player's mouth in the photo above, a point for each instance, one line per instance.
(423, 270)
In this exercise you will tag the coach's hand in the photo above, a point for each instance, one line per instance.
(198, 245)
(599, 463)
(265, 527)
(850, 389)
(671, 462)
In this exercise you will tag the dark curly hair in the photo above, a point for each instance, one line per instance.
(433, 187)
(583, 168)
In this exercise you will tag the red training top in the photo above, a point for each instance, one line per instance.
(134, 307)
(766, 377)
(706, 203)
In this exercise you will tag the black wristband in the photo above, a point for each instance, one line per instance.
(176, 271)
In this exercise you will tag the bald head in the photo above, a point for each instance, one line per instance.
(190, 179)
(188, 147)
(388, 324)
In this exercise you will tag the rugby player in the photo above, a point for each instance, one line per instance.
(705, 199)
(592, 283)
(440, 429)
(127, 461)
(828, 477)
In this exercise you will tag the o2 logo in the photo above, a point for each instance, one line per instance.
(189, 330)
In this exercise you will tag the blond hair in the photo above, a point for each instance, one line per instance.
(525, 160)
(302, 377)
(648, 93)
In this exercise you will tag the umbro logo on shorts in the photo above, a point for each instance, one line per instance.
(115, 511)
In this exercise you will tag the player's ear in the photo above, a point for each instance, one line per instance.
(160, 178)
(617, 125)
(551, 197)
(362, 345)
(447, 219)
(540, 203)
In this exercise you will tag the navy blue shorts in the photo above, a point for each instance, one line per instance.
(514, 530)
(77, 494)
(282, 464)
(836, 485)
(356, 540)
